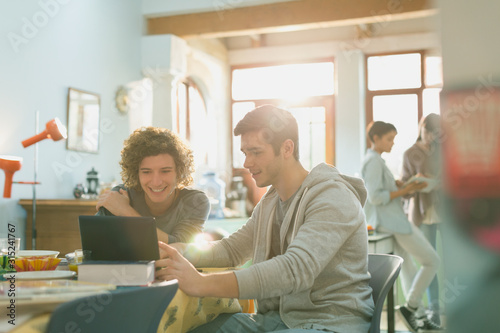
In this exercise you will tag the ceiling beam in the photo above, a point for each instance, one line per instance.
(227, 21)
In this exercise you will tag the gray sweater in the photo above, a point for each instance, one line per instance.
(417, 160)
(321, 280)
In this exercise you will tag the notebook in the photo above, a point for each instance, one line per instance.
(121, 238)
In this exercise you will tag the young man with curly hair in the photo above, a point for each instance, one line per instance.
(306, 237)
(157, 167)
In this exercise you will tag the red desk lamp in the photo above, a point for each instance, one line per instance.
(56, 131)
(9, 164)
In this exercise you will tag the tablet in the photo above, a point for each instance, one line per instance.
(119, 237)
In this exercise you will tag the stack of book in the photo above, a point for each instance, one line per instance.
(119, 273)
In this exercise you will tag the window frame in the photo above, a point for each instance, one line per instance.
(326, 101)
(188, 83)
(371, 94)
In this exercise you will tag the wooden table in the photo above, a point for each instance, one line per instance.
(182, 314)
(56, 223)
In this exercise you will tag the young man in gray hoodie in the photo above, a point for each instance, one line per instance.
(306, 237)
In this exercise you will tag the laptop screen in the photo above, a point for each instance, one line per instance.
(122, 238)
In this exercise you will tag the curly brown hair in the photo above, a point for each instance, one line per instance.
(152, 141)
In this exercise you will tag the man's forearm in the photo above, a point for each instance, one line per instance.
(223, 284)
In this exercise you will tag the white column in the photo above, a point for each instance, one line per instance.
(164, 62)
(350, 112)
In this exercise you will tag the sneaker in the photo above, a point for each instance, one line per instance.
(428, 326)
(434, 317)
(409, 318)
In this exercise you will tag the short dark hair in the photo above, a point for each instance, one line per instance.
(277, 125)
(379, 128)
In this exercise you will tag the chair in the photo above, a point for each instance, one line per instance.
(384, 270)
(124, 310)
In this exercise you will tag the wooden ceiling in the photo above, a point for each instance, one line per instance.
(287, 16)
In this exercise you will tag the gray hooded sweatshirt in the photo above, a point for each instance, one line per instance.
(321, 280)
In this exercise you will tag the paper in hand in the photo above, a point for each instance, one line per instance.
(431, 183)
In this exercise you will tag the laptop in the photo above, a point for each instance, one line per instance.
(119, 238)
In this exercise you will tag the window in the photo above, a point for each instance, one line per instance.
(304, 89)
(401, 89)
(192, 119)
(286, 82)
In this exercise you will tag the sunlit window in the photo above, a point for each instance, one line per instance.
(396, 94)
(239, 111)
(433, 71)
(398, 71)
(431, 101)
(401, 111)
(305, 89)
(192, 120)
(312, 138)
(289, 82)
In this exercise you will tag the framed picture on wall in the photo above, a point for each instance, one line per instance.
(83, 121)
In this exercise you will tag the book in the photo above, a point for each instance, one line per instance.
(431, 183)
(120, 273)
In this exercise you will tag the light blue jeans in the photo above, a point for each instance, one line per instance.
(415, 280)
(246, 323)
(430, 232)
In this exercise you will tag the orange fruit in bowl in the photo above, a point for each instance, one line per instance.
(36, 260)
(370, 229)
(36, 264)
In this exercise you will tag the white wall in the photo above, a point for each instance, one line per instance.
(46, 47)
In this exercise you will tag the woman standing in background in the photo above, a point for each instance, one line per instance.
(384, 210)
(424, 158)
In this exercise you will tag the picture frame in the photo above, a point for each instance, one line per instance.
(83, 121)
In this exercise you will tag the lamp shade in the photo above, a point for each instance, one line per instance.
(54, 129)
(9, 164)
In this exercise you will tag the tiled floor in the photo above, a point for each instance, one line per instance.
(400, 327)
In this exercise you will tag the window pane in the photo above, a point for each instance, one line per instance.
(312, 135)
(433, 71)
(239, 111)
(289, 82)
(183, 104)
(402, 112)
(430, 101)
(197, 127)
(398, 71)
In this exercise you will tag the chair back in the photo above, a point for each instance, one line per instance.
(384, 270)
(136, 309)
